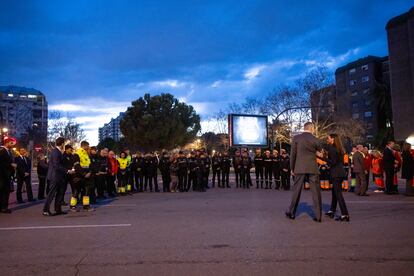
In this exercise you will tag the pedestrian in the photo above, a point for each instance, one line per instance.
(24, 176)
(56, 174)
(378, 171)
(367, 164)
(174, 174)
(304, 149)
(182, 171)
(398, 163)
(102, 175)
(237, 166)
(137, 167)
(390, 164)
(276, 168)
(122, 173)
(225, 169)
(408, 169)
(112, 174)
(192, 170)
(246, 163)
(68, 162)
(216, 160)
(360, 171)
(353, 176)
(7, 169)
(335, 158)
(41, 175)
(165, 166)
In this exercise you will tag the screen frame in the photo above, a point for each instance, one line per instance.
(230, 119)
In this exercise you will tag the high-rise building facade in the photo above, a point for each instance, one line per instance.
(24, 112)
(400, 31)
(362, 93)
(111, 129)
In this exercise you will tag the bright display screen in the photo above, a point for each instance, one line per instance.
(248, 130)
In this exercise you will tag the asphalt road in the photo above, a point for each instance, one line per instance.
(220, 232)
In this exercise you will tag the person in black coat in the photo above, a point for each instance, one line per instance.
(165, 166)
(7, 167)
(389, 167)
(408, 169)
(285, 170)
(41, 174)
(337, 173)
(23, 172)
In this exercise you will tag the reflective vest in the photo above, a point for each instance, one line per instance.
(85, 161)
(123, 163)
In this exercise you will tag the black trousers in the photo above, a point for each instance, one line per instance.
(42, 187)
(216, 174)
(225, 178)
(149, 179)
(4, 196)
(56, 193)
(259, 174)
(389, 180)
(337, 196)
(245, 179)
(166, 180)
(299, 180)
(238, 177)
(139, 181)
(268, 177)
(182, 179)
(276, 176)
(285, 180)
(28, 183)
(100, 182)
(110, 185)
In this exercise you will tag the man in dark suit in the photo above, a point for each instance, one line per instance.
(305, 148)
(23, 173)
(56, 175)
(389, 167)
(7, 168)
(358, 160)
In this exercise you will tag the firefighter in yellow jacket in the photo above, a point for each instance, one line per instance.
(83, 178)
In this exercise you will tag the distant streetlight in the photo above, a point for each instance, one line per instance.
(5, 130)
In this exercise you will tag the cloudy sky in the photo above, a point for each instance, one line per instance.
(92, 58)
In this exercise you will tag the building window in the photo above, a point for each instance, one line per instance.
(354, 94)
(355, 116)
(365, 79)
(352, 82)
(364, 67)
(355, 105)
(368, 114)
(32, 96)
(10, 95)
(365, 92)
(368, 102)
(352, 71)
(370, 126)
(370, 137)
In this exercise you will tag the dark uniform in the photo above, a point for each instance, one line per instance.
(102, 176)
(268, 170)
(137, 167)
(200, 171)
(42, 168)
(6, 172)
(276, 170)
(164, 166)
(207, 166)
(151, 165)
(182, 172)
(246, 162)
(68, 162)
(237, 167)
(216, 161)
(225, 165)
(192, 172)
(94, 168)
(258, 168)
(285, 171)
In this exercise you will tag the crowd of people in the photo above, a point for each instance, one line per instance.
(94, 174)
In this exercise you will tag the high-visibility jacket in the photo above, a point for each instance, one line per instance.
(123, 163)
(84, 159)
(377, 166)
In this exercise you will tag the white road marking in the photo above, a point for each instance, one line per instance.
(381, 202)
(64, 226)
(117, 205)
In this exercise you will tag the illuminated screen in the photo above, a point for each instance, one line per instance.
(248, 130)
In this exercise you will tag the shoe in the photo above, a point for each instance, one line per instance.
(378, 191)
(61, 213)
(317, 220)
(5, 211)
(342, 218)
(365, 194)
(330, 214)
(89, 209)
(73, 209)
(47, 214)
(289, 215)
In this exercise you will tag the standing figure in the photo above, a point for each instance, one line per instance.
(276, 168)
(408, 169)
(42, 174)
(182, 171)
(285, 170)
(216, 161)
(192, 171)
(389, 167)
(225, 169)
(112, 174)
(237, 166)
(245, 170)
(268, 169)
(358, 160)
(24, 176)
(165, 166)
(304, 149)
(258, 168)
(7, 168)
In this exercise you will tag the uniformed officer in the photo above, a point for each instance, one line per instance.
(225, 165)
(237, 166)
(192, 171)
(94, 168)
(102, 175)
(216, 161)
(151, 165)
(68, 162)
(137, 167)
(258, 167)
(268, 169)
(246, 163)
(200, 159)
(182, 171)
(164, 166)
(285, 170)
(83, 179)
(276, 169)
(207, 165)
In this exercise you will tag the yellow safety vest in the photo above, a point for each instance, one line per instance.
(85, 161)
(123, 163)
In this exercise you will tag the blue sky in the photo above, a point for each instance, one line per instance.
(92, 58)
